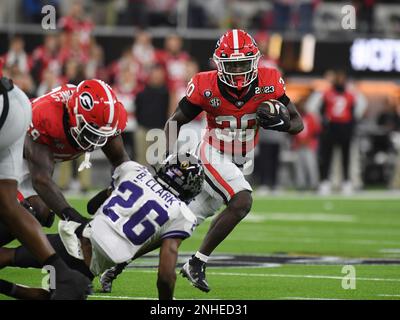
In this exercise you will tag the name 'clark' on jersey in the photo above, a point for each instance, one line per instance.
(231, 121)
(138, 214)
(50, 123)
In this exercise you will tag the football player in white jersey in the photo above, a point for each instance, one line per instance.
(141, 212)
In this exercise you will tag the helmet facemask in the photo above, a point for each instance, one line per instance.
(237, 72)
(88, 136)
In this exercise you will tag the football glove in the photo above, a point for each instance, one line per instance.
(273, 115)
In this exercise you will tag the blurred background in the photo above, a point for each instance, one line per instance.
(148, 50)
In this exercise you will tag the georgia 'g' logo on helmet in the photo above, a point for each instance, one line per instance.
(86, 101)
(94, 112)
(236, 56)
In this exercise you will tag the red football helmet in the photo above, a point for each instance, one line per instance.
(236, 56)
(94, 112)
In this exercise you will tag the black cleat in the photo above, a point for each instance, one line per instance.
(195, 271)
(71, 286)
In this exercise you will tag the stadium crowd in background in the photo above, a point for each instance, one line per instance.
(150, 81)
(280, 15)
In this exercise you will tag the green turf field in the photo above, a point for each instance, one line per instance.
(289, 247)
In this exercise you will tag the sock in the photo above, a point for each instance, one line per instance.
(201, 257)
(6, 287)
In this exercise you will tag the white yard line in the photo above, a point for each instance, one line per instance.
(121, 297)
(298, 276)
(320, 239)
(388, 295)
(136, 298)
(293, 196)
(308, 298)
(258, 216)
(363, 195)
(278, 275)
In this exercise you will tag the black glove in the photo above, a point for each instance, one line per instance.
(273, 116)
(70, 214)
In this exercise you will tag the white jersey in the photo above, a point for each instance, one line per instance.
(16, 117)
(138, 214)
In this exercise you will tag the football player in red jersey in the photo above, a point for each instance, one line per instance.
(67, 122)
(230, 97)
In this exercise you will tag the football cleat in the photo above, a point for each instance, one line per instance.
(108, 276)
(72, 286)
(106, 280)
(195, 271)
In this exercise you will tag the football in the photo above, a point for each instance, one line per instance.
(272, 108)
(272, 114)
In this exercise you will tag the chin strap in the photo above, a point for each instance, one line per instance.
(85, 164)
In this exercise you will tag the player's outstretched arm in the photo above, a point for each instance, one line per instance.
(296, 122)
(166, 269)
(115, 151)
(41, 167)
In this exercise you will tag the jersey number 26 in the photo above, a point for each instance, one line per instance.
(140, 221)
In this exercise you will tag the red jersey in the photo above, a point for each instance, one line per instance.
(232, 125)
(338, 107)
(50, 123)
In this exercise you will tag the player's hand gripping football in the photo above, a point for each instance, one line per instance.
(273, 115)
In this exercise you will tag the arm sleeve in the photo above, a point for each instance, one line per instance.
(190, 110)
(284, 99)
